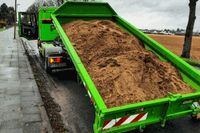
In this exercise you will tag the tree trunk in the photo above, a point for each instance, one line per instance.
(189, 30)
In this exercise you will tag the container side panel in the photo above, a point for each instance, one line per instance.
(68, 19)
(73, 8)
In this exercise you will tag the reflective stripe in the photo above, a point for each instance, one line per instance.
(131, 118)
(196, 104)
(111, 123)
(144, 117)
(124, 120)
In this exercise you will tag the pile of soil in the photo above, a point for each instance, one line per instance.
(122, 70)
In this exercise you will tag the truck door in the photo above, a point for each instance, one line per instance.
(27, 25)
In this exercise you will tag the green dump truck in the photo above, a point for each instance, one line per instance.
(132, 116)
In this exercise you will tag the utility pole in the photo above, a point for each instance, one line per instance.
(15, 19)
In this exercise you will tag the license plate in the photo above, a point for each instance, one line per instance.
(58, 65)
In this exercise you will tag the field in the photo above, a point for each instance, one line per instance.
(175, 44)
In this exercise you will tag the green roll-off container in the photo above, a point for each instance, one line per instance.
(137, 115)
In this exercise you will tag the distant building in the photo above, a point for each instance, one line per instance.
(196, 34)
(154, 31)
(180, 32)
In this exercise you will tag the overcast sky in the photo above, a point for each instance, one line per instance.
(158, 14)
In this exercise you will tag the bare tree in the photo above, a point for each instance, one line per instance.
(189, 30)
(84, 0)
(60, 2)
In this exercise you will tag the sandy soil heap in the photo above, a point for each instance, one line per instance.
(122, 70)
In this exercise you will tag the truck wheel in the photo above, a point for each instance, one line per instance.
(38, 46)
(38, 43)
(40, 54)
(195, 118)
(47, 68)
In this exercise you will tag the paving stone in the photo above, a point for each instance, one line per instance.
(30, 83)
(10, 108)
(13, 84)
(2, 95)
(30, 99)
(27, 93)
(31, 118)
(11, 124)
(11, 115)
(14, 65)
(29, 104)
(4, 65)
(16, 130)
(24, 76)
(9, 100)
(30, 110)
(12, 91)
(2, 90)
(24, 89)
(32, 127)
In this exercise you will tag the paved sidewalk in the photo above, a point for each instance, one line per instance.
(21, 109)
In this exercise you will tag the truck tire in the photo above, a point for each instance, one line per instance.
(47, 68)
(40, 55)
(195, 118)
(38, 46)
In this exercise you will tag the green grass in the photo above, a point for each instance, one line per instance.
(192, 62)
(2, 29)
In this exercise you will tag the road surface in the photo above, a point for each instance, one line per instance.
(78, 113)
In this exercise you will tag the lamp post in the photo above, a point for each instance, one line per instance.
(15, 19)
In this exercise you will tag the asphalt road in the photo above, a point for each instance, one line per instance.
(78, 112)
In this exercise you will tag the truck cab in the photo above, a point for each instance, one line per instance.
(49, 44)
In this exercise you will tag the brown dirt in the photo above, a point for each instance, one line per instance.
(122, 70)
(175, 44)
